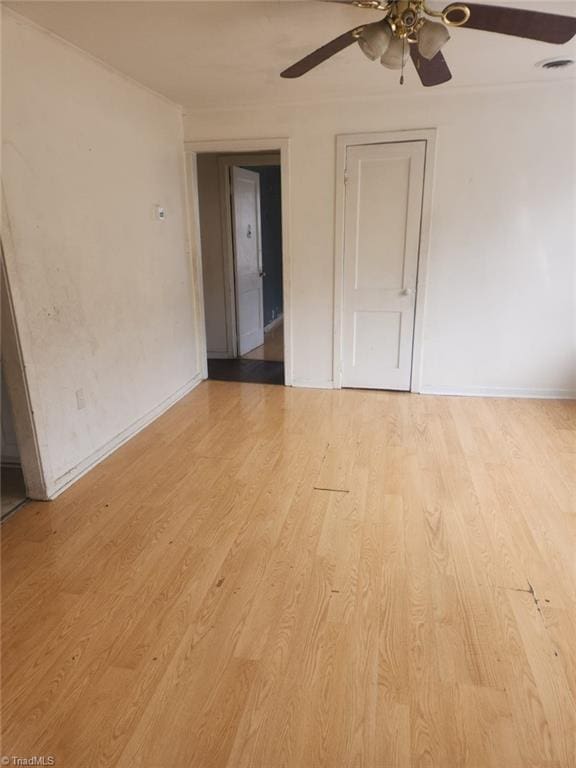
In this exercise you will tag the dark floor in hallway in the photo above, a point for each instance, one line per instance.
(252, 371)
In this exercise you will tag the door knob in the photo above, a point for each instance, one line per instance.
(407, 292)
(262, 274)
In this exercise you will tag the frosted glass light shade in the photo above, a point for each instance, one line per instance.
(431, 38)
(396, 54)
(375, 39)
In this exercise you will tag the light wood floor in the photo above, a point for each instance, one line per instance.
(283, 578)
(273, 347)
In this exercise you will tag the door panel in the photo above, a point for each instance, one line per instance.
(377, 334)
(382, 236)
(247, 259)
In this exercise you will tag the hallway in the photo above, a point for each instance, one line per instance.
(273, 347)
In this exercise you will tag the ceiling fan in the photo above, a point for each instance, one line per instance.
(407, 29)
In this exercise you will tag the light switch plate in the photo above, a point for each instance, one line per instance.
(159, 212)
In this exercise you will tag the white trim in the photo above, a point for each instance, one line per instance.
(233, 146)
(311, 384)
(16, 373)
(195, 258)
(245, 146)
(72, 475)
(253, 159)
(428, 135)
(506, 392)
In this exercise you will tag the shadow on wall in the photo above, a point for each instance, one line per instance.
(271, 215)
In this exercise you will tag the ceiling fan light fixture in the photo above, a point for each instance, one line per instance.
(374, 39)
(431, 37)
(395, 38)
(396, 55)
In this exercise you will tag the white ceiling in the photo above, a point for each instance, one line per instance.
(230, 52)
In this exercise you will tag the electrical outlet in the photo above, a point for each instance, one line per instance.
(80, 400)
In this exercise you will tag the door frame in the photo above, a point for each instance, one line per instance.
(17, 383)
(231, 150)
(225, 164)
(428, 135)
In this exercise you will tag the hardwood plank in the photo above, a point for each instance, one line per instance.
(269, 576)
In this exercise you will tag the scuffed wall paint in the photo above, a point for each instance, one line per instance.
(102, 290)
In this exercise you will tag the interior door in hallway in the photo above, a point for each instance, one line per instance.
(247, 259)
(384, 187)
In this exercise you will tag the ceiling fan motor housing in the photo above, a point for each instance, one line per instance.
(405, 17)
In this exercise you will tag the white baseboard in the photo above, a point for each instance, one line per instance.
(311, 384)
(274, 323)
(60, 484)
(540, 394)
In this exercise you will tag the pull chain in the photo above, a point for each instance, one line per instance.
(403, 52)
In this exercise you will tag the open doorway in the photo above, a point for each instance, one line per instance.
(22, 471)
(13, 487)
(240, 210)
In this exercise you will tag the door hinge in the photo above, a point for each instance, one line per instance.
(345, 175)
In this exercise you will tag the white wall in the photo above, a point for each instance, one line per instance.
(500, 305)
(102, 292)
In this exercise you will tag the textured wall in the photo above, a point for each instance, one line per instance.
(102, 291)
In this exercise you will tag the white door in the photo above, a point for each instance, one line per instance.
(384, 186)
(247, 259)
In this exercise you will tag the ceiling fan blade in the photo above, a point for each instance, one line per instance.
(534, 25)
(320, 55)
(430, 71)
